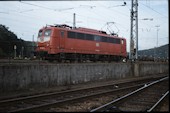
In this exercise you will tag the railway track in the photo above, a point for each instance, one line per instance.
(44, 101)
(145, 98)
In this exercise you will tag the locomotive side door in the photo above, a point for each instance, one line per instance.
(62, 39)
(121, 46)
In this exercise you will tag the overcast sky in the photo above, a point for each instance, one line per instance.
(27, 17)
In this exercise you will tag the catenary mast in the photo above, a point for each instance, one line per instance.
(133, 54)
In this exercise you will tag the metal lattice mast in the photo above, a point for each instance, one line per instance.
(134, 31)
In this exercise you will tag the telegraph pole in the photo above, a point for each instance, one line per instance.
(133, 54)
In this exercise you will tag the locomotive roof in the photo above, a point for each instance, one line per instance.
(86, 30)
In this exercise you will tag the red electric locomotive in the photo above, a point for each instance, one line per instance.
(62, 42)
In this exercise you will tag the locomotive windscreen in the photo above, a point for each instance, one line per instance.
(47, 32)
(44, 36)
(40, 33)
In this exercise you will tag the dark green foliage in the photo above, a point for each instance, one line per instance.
(159, 52)
(155, 54)
(7, 41)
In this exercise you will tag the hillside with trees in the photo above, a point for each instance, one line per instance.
(8, 42)
(159, 53)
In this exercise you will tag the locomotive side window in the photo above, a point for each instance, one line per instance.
(111, 40)
(117, 41)
(47, 32)
(97, 38)
(40, 33)
(89, 37)
(104, 39)
(93, 37)
(71, 34)
(80, 36)
(114, 40)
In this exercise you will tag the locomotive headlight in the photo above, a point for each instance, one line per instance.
(46, 39)
(40, 39)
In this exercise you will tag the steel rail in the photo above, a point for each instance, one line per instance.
(127, 95)
(154, 106)
(69, 91)
(35, 107)
(70, 99)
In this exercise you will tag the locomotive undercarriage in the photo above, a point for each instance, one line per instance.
(76, 57)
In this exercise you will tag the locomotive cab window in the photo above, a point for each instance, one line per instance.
(40, 33)
(47, 32)
(122, 41)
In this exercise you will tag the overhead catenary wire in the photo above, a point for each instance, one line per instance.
(92, 20)
(39, 6)
(153, 10)
(44, 7)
